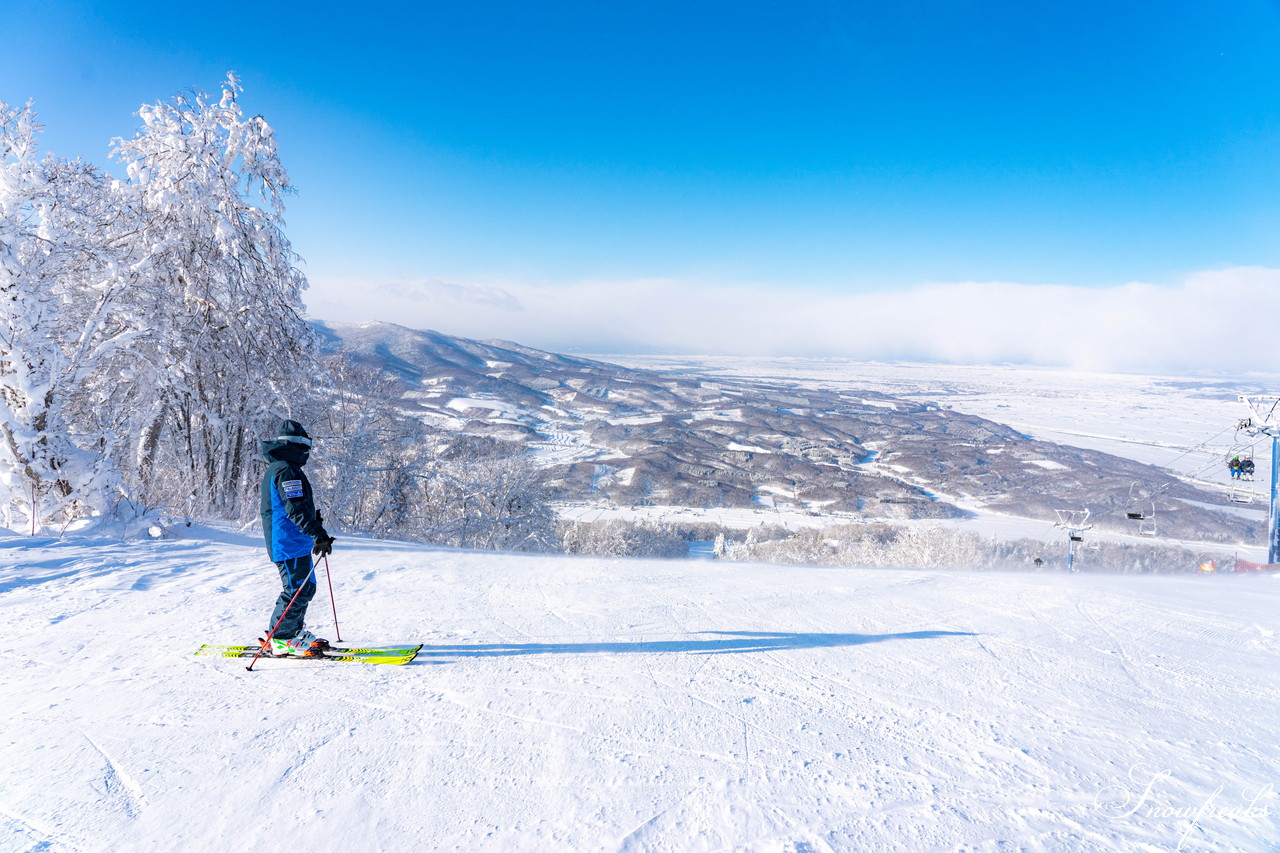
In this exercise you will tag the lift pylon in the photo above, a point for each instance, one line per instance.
(1075, 522)
(1262, 421)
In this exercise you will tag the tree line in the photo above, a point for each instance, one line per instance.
(152, 330)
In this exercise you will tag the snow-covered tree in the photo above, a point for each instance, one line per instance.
(381, 469)
(621, 538)
(229, 350)
(491, 501)
(63, 316)
(372, 460)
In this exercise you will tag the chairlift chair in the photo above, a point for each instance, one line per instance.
(1241, 495)
(1242, 451)
(1139, 497)
(1241, 472)
(1138, 512)
(1145, 519)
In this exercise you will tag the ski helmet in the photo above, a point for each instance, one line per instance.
(294, 432)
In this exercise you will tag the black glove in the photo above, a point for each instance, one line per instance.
(324, 545)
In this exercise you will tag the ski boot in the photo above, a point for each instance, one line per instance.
(316, 642)
(292, 647)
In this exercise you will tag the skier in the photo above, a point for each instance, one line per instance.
(293, 530)
(1236, 467)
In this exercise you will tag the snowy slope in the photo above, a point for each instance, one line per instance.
(591, 704)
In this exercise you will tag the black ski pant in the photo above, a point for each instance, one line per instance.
(293, 574)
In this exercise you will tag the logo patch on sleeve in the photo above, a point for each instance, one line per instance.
(292, 488)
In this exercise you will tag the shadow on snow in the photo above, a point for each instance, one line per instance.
(727, 642)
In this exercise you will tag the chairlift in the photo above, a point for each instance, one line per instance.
(1139, 500)
(1239, 458)
(1241, 495)
(1146, 523)
(1241, 467)
(1139, 497)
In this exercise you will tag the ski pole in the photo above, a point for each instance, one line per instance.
(336, 630)
(249, 668)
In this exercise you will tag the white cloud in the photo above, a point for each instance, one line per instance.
(1217, 320)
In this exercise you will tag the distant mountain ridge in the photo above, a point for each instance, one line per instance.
(626, 437)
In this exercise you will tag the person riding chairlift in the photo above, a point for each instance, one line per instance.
(1236, 467)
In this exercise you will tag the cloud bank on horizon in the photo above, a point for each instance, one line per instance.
(1215, 321)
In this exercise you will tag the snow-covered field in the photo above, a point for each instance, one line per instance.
(589, 704)
(1183, 424)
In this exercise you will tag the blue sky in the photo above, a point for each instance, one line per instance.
(473, 166)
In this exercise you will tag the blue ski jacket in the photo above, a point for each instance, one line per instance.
(289, 521)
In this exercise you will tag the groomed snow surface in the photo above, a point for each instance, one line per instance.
(578, 704)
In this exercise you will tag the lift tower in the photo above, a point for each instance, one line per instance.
(1263, 420)
(1075, 522)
